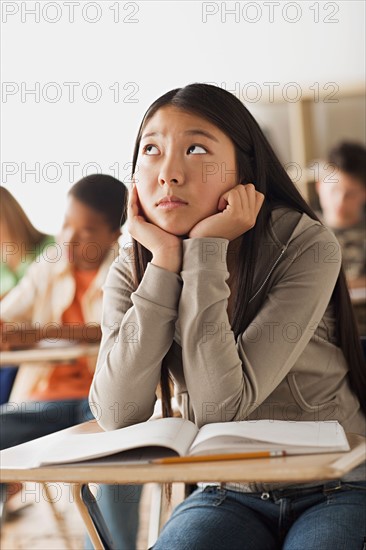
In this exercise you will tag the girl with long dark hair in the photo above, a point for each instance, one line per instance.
(233, 293)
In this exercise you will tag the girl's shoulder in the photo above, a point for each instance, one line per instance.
(121, 271)
(287, 224)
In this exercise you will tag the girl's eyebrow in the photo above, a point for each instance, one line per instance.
(194, 131)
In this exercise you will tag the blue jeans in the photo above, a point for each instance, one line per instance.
(20, 423)
(329, 517)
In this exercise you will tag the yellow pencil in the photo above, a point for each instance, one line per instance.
(228, 456)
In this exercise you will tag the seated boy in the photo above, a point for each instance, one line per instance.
(342, 196)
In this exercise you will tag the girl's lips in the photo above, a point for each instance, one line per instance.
(171, 205)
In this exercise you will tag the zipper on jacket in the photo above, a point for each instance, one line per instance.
(269, 273)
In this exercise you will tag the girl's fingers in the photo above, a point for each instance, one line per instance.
(232, 197)
(223, 201)
(133, 209)
(250, 199)
(130, 198)
(131, 190)
(255, 198)
(246, 197)
(259, 197)
(242, 196)
(249, 192)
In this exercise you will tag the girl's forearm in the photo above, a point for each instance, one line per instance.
(138, 331)
(171, 264)
(169, 259)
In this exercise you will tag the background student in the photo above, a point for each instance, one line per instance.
(342, 196)
(66, 289)
(21, 244)
(230, 302)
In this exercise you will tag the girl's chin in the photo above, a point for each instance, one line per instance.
(174, 228)
(175, 231)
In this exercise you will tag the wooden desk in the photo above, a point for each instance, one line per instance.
(52, 354)
(289, 469)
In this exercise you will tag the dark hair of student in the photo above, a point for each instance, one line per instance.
(105, 194)
(257, 164)
(350, 158)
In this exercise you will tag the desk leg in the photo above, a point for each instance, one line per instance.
(156, 507)
(59, 518)
(2, 501)
(84, 512)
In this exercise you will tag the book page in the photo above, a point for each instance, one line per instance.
(172, 433)
(270, 435)
(133, 456)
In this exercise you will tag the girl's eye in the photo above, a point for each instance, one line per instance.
(146, 149)
(203, 150)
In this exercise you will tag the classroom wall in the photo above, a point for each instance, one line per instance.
(118, 57)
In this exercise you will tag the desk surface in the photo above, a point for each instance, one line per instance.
(287, 469)
(48, 354)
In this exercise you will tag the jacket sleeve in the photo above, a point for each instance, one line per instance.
(228, 379)
(138, 327)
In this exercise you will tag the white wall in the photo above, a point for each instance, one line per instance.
(156, 46)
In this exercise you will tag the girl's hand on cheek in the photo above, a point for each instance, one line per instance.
(165, 247)
(239, 208)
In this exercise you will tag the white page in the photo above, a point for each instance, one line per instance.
(324, 434)
(174, 433)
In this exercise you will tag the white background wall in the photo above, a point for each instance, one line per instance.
(145, 49)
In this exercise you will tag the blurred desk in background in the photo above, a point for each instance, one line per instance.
(48, 354)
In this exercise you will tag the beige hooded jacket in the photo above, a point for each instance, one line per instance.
(286, 365)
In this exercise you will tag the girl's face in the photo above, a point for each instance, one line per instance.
(183, 156)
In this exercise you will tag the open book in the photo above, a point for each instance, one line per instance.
(169, 437)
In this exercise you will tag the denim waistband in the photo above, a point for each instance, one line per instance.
(292, 491)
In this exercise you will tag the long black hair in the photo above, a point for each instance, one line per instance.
(257, 164)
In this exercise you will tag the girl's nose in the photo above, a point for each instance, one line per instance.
(171, 173)
(172, 182)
